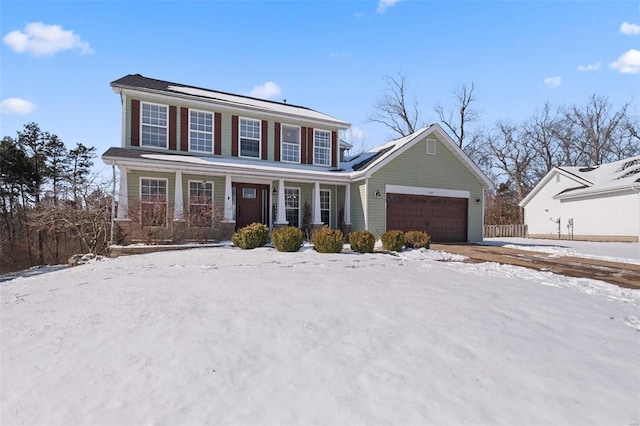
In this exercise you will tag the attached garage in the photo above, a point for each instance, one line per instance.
(444, 218)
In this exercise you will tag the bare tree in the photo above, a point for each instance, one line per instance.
(513, 158)
(597, 133)
(394, 110)
(464, 113)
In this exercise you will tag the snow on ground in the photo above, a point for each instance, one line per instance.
(224, 336)
(610, 251)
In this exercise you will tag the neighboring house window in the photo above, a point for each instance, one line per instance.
(292, 204)
(200, 131)
(325, 206)
(431, 146)
(201, 204)
(321, 147)
(290, 144)
(153, 202)
(249, 138)
(154, 125)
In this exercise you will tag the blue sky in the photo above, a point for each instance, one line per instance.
(58, 58)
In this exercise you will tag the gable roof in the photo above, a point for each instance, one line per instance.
(607, 178)
(139, 82)
(363, 165)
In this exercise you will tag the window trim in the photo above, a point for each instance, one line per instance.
(259, 140)
(315, 162)
(431, 142)
(328, 209)
(189, 197)
(166, 180)
(212, 133)
(282, 142)
(299, 204)
(142, 124)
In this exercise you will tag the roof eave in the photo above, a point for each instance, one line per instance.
(127, 89)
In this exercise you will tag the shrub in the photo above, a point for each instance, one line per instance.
(287, 239)
(327, 240)
(251, 236)
(417, 239)
(362, 241)
(392, 240)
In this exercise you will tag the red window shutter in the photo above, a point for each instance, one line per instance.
(303, 145)
(184, 129)
(234, 135)
(265, 124)
(173, 126)
(334, 149)
(276, 148)
(135, 122)
(217, 134)
(310, 142)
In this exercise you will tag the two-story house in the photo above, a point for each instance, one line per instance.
(186, 151)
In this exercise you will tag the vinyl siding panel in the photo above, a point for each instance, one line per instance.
(358, 202)
(542, 210)
(597, 215)
(416, 168)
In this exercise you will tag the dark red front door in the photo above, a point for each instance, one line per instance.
(251, 203)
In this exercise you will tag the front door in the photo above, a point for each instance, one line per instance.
(251, 203)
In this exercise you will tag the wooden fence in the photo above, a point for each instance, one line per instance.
(492, 231)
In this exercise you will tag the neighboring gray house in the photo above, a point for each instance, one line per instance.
(190, 150)
(588, 203)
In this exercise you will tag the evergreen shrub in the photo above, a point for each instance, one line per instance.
(393, 240)
(327, 240)
(417, 239)
(362, 241)
(287, 239)
(251, 236)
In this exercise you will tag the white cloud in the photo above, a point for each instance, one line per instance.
(553, 81)
(629, 29)
(590, 67)
(266, 91)
(383, 5)
(45, 40)
(16, 106)
(627, 63)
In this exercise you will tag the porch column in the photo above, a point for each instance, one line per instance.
(317, 217)
(178, 203)
(282, 214)
(228, 202)
(347, 205)
(123, 196)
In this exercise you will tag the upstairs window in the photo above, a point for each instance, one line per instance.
(290, 144)
(249, 138)
(153, 202)
(154, 125)
(201, 204)
(200, 131)
(321, 147)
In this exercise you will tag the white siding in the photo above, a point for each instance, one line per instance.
(610, 215)
(542, 211)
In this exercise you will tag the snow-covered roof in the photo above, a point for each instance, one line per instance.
(611, 177)
(142, 83)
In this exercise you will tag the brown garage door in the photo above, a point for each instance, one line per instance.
(444, 218)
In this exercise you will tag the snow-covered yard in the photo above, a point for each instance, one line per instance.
(224, 336)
